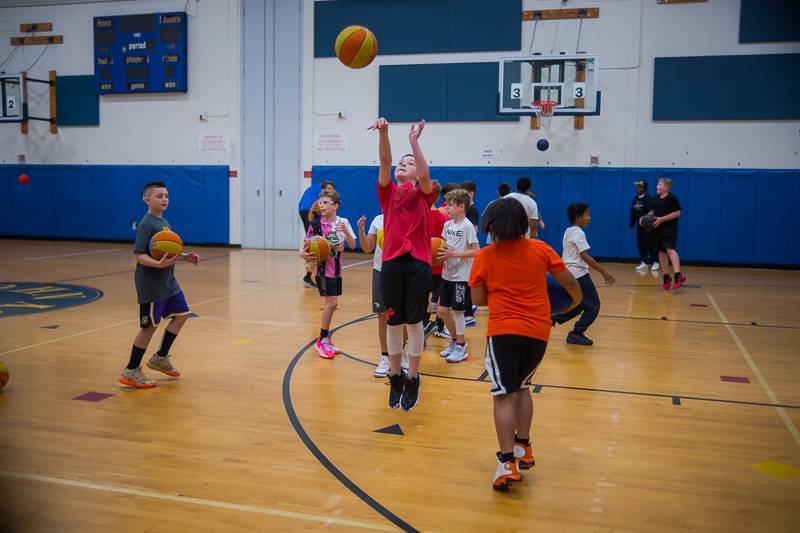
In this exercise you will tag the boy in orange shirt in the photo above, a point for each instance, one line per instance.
(519, 325)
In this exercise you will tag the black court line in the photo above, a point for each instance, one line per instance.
(314, 449)
(126, 271)
(707, 322)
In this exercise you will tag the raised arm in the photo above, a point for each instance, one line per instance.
(423, 175)
(384, 151)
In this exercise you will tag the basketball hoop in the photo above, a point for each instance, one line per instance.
(544, 112)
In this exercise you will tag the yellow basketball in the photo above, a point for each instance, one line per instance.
(3, 375)
(319, 247)
(380, 238)
(165, 242)
(356, 46)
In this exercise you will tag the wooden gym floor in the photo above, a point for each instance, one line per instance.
(640, 432)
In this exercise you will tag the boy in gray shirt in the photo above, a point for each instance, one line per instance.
(157, 291)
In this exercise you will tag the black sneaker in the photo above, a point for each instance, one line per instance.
(396, 384)
(308, 282)
(410, 397)
(430, 327)
(578, 338)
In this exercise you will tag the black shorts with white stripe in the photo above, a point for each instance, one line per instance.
(511, 361)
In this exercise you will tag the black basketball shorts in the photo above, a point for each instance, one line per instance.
(511, 361)
(405, 284)
(454, 295)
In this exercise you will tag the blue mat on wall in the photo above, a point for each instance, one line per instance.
(101, 201)
(733, 216)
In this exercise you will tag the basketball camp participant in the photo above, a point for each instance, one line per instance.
(308, 210)
(462, 245)
(157, 291)
(337, 231)
(640, 205)
(437, 216)
(473, 216)
(518, 327)
(667, 210)
(576, 257)
(406, 273)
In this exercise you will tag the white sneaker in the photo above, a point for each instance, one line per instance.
(458, 354)
(382, 370)
(447, 351)
(642, 266)
(404, 361)
(656, 267)
(444, 334)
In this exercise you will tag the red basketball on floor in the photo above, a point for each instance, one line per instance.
(24, 179)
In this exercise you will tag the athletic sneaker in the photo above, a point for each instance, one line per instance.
(667, 282)
(470, 321)
(430, 327)
(506, 474)
(447, 351)
(524, 455)
(656, 267)
(443, 333)
(578, 338)
(458, 354)
(642, 266)
(382, 370)
(680, 279)
(404, 361)
(410, 397)
(324, 349)
(135, 378)
(396, 386)
(308, 282)
(332, 347)
(474, 309)
(164, 365)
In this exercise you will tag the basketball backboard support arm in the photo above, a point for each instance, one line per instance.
(24, 116)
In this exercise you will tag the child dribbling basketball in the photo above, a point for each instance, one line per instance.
(510, 277)
(157, 291)
(337, 231)
(406, 273)
(462, 245)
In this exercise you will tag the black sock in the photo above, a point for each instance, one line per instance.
(526, 442)
(461, 343)
(324, 333)
(505, 457)
(166, 343)
(439, 323)
(136, 357)
(385, 354)
(677, 275)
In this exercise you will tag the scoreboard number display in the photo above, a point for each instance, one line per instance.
(141, 53)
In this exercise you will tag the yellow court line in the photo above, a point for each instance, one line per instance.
(759, 376)
(145, 493)
(195, 304)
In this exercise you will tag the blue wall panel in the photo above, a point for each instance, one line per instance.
(737, 241)
(773, 215)
(703, 220)
(606, 210)
(547, 189)
(794, 244)
(763, 21)
(101, 201)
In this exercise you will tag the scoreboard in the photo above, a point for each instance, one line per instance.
(140, 53)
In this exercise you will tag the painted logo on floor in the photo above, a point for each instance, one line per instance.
(24, 298)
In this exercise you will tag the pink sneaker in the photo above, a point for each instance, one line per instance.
(324, 350)
(332, 347)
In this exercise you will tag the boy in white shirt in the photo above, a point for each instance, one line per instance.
(576, 257)
(462, 245)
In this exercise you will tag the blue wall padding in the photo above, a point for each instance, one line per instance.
(724, 87)
(764, 21)
(441, 92)
(422, 26)
(729, 216)
(77, 102)
(100, 201)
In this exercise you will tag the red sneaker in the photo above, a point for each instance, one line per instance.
(667, 281)
(680, 279)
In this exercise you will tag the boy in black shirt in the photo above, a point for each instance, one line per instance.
(667, 210)
(639, 207)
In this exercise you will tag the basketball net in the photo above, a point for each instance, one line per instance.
(544, 112)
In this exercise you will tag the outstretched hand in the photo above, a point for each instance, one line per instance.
(192, 258)
(381, 125)
(416, 130)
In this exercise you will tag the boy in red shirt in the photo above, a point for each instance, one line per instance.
(406, 273)
(519, 325)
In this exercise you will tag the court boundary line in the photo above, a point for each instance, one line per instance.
(75, 254)
(757, 372)
(191, 500)
(314, 449)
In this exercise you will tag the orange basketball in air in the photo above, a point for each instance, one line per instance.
(319, 247)
(356, 46)
(436, 245)
(165, 242)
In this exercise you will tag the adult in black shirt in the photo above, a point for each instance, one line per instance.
(641, 206)
(667, 210)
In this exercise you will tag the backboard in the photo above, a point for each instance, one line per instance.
(570, 80)
(12, 98)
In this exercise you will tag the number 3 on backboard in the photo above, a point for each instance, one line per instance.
(578, 89)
